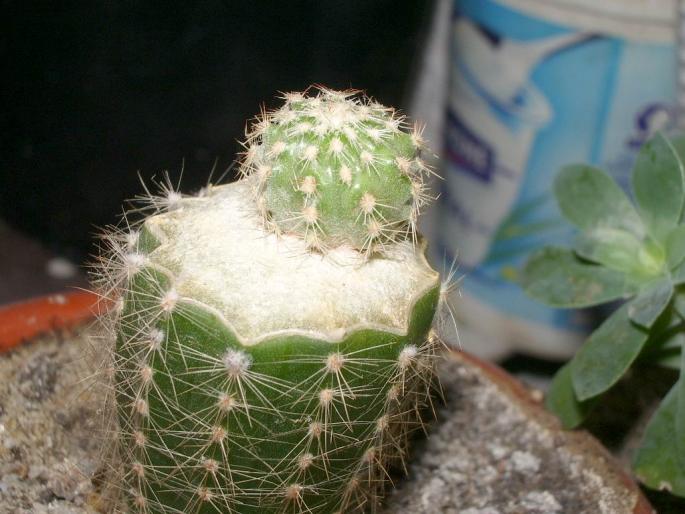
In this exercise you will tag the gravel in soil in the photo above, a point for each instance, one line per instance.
(490, 455)
(49, 429)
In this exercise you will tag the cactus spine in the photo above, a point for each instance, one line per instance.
(272, 335)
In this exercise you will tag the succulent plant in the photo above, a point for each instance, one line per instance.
(273, 347)
(634, 253)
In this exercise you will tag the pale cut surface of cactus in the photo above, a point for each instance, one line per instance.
(254, 375)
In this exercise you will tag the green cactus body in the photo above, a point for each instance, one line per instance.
(337, 171)
(253, 375)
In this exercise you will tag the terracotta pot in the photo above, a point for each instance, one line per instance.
(23, 321)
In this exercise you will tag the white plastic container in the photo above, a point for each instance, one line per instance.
(536, 85)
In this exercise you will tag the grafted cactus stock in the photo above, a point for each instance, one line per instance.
(273, 345)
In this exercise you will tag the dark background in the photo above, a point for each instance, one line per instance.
(97, 92)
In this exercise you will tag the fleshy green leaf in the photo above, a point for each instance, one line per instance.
(607, 354)
(667, 359)
(679, 303)
(680, 412)
(589, 198)
(678, 274)
(665, 345)
(678, 143)
(658, 186)
(614, 248)
(558, 278)
(675, 246)
(658, 463)
(651, 302)
(562, 401)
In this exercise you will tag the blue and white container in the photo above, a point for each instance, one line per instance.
(536, 85)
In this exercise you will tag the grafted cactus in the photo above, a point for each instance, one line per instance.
(252, 374)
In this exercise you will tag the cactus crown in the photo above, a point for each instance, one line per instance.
(337, 168)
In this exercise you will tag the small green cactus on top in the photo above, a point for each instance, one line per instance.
(337, 169)
(273, 336)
